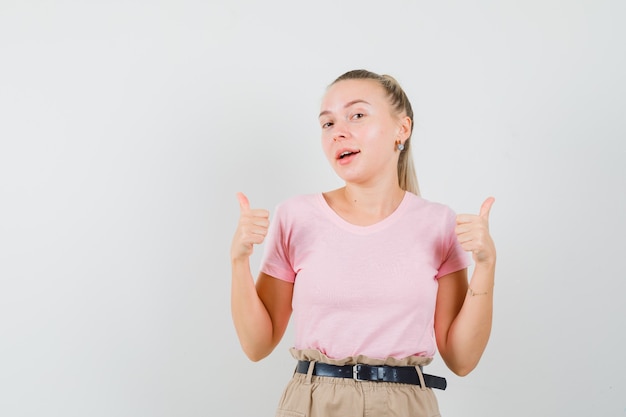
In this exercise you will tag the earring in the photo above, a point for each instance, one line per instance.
(399, 145)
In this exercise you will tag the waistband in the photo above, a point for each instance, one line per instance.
(381, 373)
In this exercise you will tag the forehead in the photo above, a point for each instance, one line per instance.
(346, 91)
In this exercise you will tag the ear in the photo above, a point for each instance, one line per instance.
(404, 130)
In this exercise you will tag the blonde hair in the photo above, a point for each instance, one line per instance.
(407, 177)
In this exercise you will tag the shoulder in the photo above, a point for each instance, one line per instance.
(297, 213)
(435, 217)
(428, 207)
(299, 200)
(297, 205)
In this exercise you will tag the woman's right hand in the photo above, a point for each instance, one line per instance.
(251, 230)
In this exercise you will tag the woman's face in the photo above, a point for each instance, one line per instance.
(360, 130)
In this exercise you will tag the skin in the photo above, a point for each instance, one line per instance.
(356, 116)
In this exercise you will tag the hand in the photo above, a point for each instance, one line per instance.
(472, 231)
(251, 230)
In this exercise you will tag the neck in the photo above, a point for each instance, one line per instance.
(376, 201)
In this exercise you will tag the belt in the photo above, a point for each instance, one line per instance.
(361, 372)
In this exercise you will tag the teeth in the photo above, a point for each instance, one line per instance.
(345, 153)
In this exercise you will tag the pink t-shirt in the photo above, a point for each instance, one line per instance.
(363, 290)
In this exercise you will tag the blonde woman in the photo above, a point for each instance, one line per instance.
(374, 276)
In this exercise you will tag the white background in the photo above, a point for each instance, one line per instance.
(127, 127)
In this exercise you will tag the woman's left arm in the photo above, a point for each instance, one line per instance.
(463, 315)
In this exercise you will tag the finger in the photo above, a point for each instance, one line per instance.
(466, 218)
(486, 207)
(463, 228)
(260, 213)
(256, 238)
(473, 235)
(464, 238)
(244, 204)
(254, 224)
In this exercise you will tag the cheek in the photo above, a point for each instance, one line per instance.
(327, 144)
(384, 139)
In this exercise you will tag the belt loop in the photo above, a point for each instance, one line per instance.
(309, 373)
(420, 375)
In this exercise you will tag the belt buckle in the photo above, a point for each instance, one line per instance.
(355, 372)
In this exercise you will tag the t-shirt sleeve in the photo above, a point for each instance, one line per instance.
(454, 257)
(276, 257)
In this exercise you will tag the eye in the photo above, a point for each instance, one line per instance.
(357, 116)
(327, 125)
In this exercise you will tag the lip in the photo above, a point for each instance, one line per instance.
(343, 150)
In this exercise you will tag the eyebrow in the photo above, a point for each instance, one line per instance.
(348, 104)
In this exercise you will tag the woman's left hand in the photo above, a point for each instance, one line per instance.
(472, 231)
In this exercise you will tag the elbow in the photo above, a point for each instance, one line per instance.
(255, 354)
(255, 357)
(460, 367)
(462, 370)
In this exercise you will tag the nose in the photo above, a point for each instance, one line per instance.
(340, 131)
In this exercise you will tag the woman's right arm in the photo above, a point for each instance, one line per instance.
(260, 312)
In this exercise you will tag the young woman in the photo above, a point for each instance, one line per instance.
(374, 275)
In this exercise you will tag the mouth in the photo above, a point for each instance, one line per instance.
(346, 154)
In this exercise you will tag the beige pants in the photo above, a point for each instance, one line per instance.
(316, 396)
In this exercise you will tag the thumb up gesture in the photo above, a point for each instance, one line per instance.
(472, 231)
(251, 230)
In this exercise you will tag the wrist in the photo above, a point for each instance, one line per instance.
(236, 261)
(473, 293)
(487, 265)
